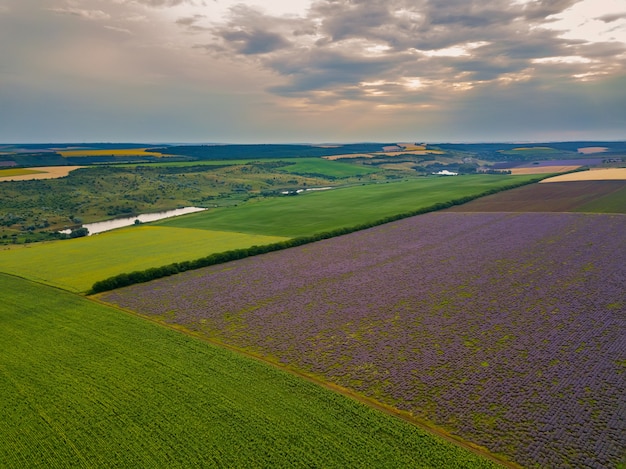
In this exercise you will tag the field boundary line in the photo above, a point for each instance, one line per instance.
(368, 401)
(143, 276)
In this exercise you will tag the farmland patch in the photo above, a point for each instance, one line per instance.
(542, 169)
(108, 152)
(577, 196)
(43, 172)
(312, 213)
(325, 168)
(591, 175)
(591, 150)
(84, 385)
(506, 329)
(5, 173)
(531, 150)
(77, 263)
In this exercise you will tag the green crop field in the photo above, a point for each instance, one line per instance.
(17, 172)
(85, 385)
(77, 263)
(611, 203)
(326, 168)
(304, 166)
(316, 212)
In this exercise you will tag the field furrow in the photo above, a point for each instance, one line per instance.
(85, 385)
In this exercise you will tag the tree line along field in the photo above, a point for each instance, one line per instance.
(85, 385)
(78, 263)
(326, 210)
(506, 329)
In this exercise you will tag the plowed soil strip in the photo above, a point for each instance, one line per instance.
(543, 197)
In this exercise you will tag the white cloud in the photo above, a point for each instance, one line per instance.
(593, 21)
(87, 14)
(325, 68)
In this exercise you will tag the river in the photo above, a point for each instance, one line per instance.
(101, 226)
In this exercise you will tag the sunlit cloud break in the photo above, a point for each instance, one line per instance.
(200, 70)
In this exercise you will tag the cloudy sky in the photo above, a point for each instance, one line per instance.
(312, 70)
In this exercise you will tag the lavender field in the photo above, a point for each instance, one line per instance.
(507, 329)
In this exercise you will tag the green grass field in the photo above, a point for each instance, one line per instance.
(77, 263)
(316, 212)
(305, 166)
(85, 385)
(320, 166)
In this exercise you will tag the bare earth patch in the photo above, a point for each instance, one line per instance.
(543, 170)
(591, 175)
(414, 152)
(573, 196)
(349, 155)
(590, 150)
(46, 172)
(384, 154)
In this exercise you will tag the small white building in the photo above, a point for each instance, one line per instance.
(445, 172)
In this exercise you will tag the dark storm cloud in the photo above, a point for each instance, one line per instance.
(251, 32)
(342, 20)
(323, 69)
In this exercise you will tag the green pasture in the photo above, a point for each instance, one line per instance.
(77, 263)
(17, 172)
(326, 168)
(86, 385)
(182, 164)
(526, 150)
(315, 212)
(302, 166)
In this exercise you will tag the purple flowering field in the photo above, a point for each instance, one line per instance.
(507, 329)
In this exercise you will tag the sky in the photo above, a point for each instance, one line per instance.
(312, 71)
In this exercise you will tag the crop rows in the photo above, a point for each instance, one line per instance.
(84, 385)
(574, 196)
(506, 329)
